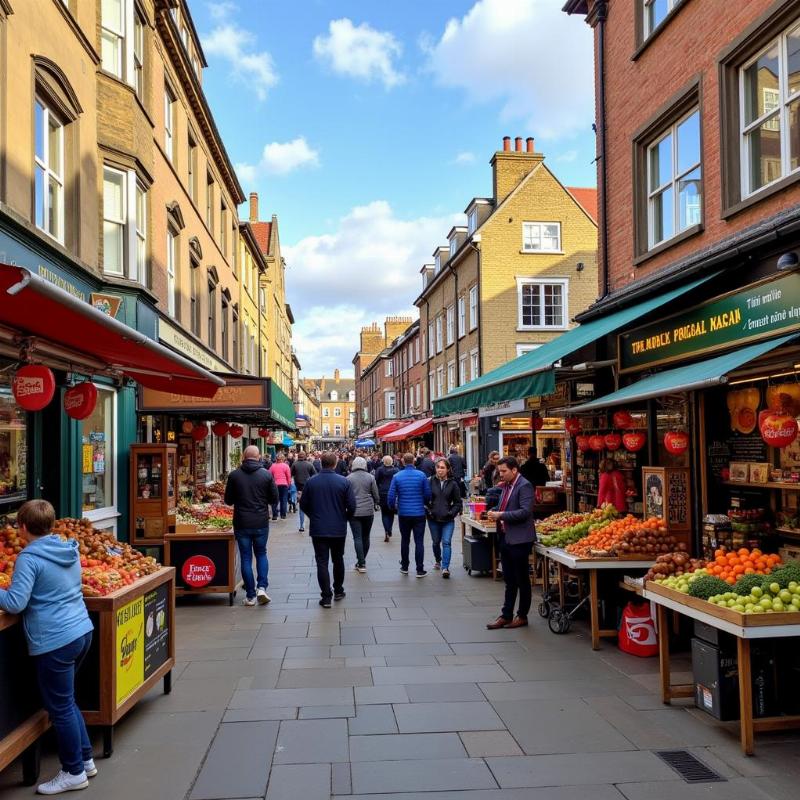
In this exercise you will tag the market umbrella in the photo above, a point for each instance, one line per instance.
(365, 443)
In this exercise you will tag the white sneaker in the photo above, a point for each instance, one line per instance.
(249, 601)
(64, 782)
(262, 597)
(361, 568)
(89, 768)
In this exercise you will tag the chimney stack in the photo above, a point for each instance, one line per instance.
(518, 144)
(529, 144)
(336, 375)
(253, 206)
(506, 144)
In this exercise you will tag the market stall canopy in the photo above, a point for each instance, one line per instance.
(533, 373)
(683, 379)
(415, 428)
(382, 430)
(69, 328)
(365, 443)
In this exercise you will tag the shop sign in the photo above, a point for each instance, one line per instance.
(156, 629)
(198, 571)
(236, 395)
(763, 310)
(540, 401)
(64, 281)
(178, 340)
(129, 659)
(106, 303)
(506, 407)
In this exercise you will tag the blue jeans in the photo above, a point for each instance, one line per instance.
(361, 527)
(409, 525)
(253, 541)
(283, 501)
(56, 674)
(442, 537)
(387, 517)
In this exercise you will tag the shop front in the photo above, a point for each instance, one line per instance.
(411, 436)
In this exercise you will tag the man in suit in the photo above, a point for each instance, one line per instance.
(328, 502)
(514, 517)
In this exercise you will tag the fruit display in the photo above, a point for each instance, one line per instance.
(680, 583)
(730, 565)
(556, 522)
(209, 516)
(106, 563)
(214, 492)
(677, 564)
(578, 526)
(627, 537)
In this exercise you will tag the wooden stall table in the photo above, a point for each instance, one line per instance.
(592, 566)
(746, 628)
(483, 528)
(206, 561)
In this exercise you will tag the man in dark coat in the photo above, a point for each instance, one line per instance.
(458, 469)
(514, 517)
(533, 470)
(302, 472)
(426, 465)
(251, 490)
(329, 502)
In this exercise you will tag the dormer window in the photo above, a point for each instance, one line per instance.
(472, 221)
(453, 246)
(437, 264)
(334, 396)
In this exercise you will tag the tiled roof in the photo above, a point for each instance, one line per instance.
(262, 232)
(587, 198)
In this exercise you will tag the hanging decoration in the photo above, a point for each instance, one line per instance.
(613, 441)
(622, 419)
(187, 426)
(597, 442)
(573, 426)
(220, 428)
(778, 427)
(583, 443)
(264, 433)
(33, 386)
(236, 431)
(538, 422)
(80, 400)
(199, 432)
(633, 441)
(676, 443)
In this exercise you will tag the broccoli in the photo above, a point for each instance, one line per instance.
(784, 575)
(746, 583)
(707, 586)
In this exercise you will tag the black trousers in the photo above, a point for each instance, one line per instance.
(329, 548)
(514, 560)
(415, 526)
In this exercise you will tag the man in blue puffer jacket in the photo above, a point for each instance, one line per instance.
(409, 493)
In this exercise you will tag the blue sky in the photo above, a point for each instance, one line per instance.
(367, 126)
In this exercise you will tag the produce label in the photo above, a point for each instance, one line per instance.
(156, 629)
(198, 571)
(130, 649)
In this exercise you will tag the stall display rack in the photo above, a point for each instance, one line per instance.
(201, 547)
(483, 528)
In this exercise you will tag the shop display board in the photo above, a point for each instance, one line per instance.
(205, 562)
(667, 494)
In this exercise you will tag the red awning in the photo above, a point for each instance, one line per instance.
(387, 427)
(368, 434)
(72, 331)
(409, 430)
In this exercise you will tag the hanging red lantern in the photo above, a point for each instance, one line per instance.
(633, 441)
(538, 422)
(778, 427)
(583, 443)
(187, 426)
(33, 386)
(677, 442)
(236, 431)
(613, 441)
(263, 433)
(80, 400)
(597, 442)
(573, 426)
(199, 432)
(220, 428)
(622, 419)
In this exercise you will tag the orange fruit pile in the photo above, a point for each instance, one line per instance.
(731, 565)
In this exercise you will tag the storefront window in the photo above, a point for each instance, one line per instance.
(13, 449)
(98, 452)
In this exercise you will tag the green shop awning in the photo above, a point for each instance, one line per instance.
(532, 373)
(281, 407)
(683, 379)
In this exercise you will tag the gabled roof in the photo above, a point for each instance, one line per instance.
(263, 233)
(587, 198)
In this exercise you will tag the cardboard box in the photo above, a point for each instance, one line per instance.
(186, 527)
(740, 471)
(790, 553)
(759, 473)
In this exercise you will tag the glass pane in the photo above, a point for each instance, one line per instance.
(54, 200)
(532, 237)
(761, 75)
(110, 52)
(551, 237)
(13, 446)
(794, 135)
(655, 12)
(98, 450)
(39, 203)
(54, 139)
(689, 199)
(112, 14)
(113, 195)
(661, 163)
(553, 305)
(141, 210)
(764, 145)
(662, 211)
(793, 63)
(39, 144)
(689, 143)
(112, 247)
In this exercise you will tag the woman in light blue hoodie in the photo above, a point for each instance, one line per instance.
(46, 590)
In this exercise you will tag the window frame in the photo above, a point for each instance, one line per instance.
(462, 369)
(451, 376)
(337, 411)
(541, 223)
(474, 307)
(224, 325)
(474, 364)
(138, 53)
(450, 317)
(192, 161)
(210, 204)
(523, 282)
(121, 222)
(194, 298)
(43, 163)
(472, 220)
(431, 341)
(439, 332)
(170, 100)
(172, 269)
(440, 381)
(462, 316)
(211, 331)
(120, 37)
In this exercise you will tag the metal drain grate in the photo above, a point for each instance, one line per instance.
(690, 768)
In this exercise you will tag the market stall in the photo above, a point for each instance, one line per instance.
(480, 544)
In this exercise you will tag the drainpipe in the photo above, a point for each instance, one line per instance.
(601, 15)
(480, 308)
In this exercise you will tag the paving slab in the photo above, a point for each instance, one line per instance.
(300, 782)
(404, 747)
(372, 695)
(312, 741)
(410, 660)
(326, 712)
(324, 678)
(255, 714)
(483, 744)
(286, 698)
(141, 728)
(373, 720)
(240, 668)
(357, 635)
(407, 634)
(444, 717)
(444, 693)
(737, 789)
(238, 763)
(379, 777)
(468, 674)
(440, 648)
(341, 781)
(545, 793)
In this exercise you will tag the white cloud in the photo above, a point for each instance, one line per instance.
(527, 55)
(568, 157)
(222, 9)
(464, 159)
(366, 269)
(249, 66)
(280, 158)
(360, 51)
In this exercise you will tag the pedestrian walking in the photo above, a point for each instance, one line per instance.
(383, 478)
(514, 517)
(426, 463)
(458, 470)
(302, 472)
(291, 499)
(329, 502)
(46, 590)
(367, 501)
(251, 491)
(316, 462)
(343, 466)
(409, 493)
(443, 508)
(611, 488)
(490, 476)
(282, 475)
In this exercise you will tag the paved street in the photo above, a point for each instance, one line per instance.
(399, 691)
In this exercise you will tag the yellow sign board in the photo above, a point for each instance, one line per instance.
(129, 653)
(88, 458)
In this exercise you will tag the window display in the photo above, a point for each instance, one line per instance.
(98, 454)
(13, 448)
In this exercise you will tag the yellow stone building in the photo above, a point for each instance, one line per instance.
(337, 403)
